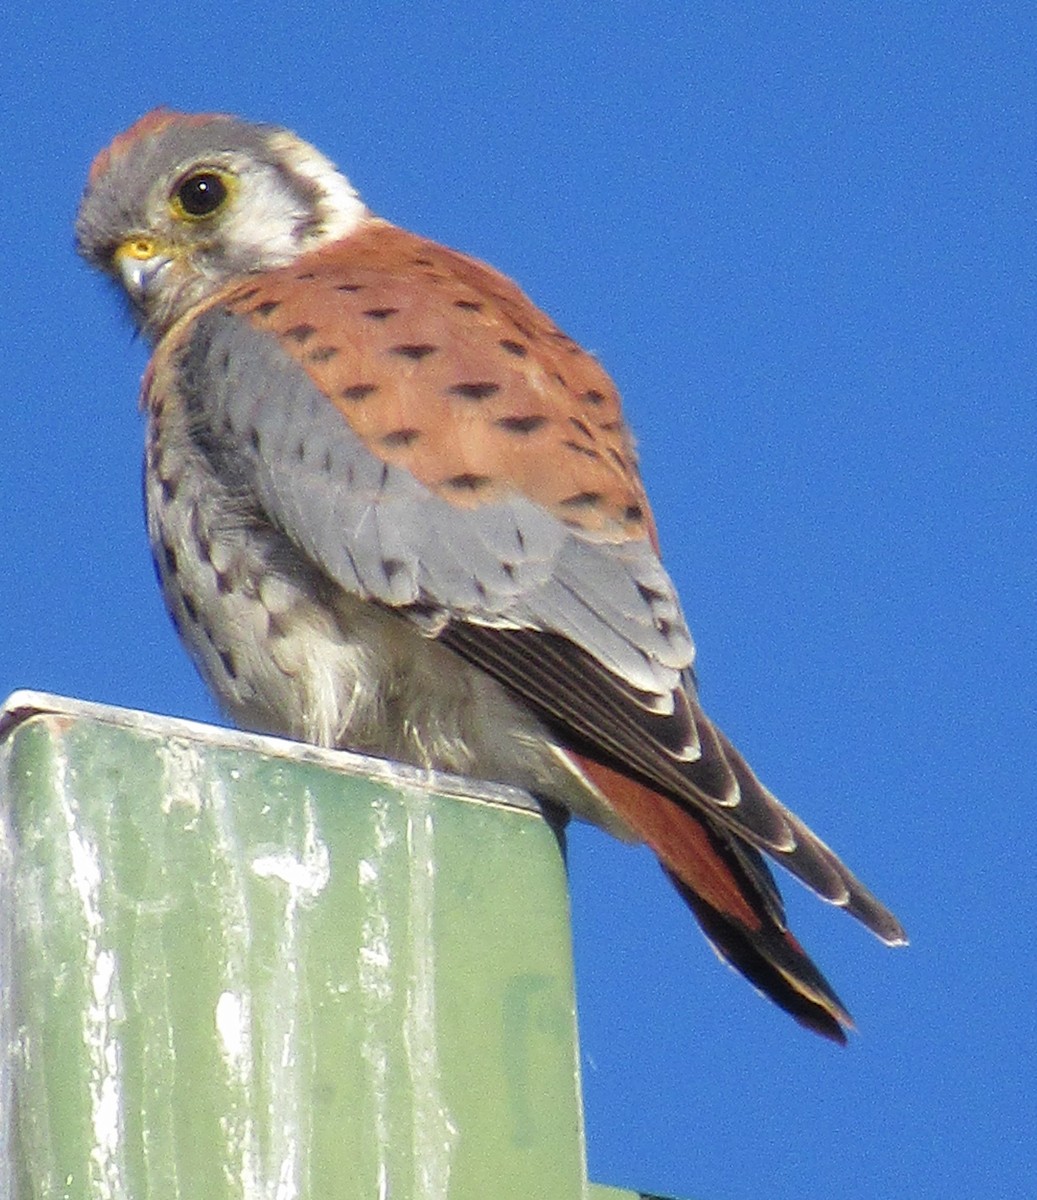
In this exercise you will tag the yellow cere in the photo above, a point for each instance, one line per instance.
(139, 247)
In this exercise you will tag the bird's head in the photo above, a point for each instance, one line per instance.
(179, 205)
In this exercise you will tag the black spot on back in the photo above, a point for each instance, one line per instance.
(524, 424)
(467, 481)
(300, 333)
(415, 351)
(478, 390)
(358, 391)
(401, 437)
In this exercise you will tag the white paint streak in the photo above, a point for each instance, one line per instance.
(102, 1009)
(7, 1042)
(182, 766)
(233, 1022)
(374, 971)
(367, 873)
(304, 878)
(433, 1132)
(189, 784)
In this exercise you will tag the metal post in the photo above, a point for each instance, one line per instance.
(234, 967)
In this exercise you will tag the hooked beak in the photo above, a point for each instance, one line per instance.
(140, 262)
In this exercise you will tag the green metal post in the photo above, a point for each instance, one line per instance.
(233, 967)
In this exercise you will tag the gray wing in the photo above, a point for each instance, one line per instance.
(586, 630)
(381, 534)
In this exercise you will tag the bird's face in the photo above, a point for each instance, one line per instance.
(175, 209)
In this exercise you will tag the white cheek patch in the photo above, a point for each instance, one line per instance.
(340, 210)
(269, 224)
(264, 219)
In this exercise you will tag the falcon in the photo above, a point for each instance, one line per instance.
(394, 508)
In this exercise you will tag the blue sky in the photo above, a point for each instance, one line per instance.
(802, 240)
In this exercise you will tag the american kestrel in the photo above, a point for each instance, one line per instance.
(394, 508)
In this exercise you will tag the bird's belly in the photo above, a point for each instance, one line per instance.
(286, 650)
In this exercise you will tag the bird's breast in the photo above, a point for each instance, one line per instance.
(288, 651)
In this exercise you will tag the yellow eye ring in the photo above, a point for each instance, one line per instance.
(201, 194)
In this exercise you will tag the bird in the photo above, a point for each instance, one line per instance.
(394, 508)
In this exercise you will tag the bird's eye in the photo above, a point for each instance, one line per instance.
(201, 194)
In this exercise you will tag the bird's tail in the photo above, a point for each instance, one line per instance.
(728, 886)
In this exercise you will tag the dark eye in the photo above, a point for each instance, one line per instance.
(201, 194)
